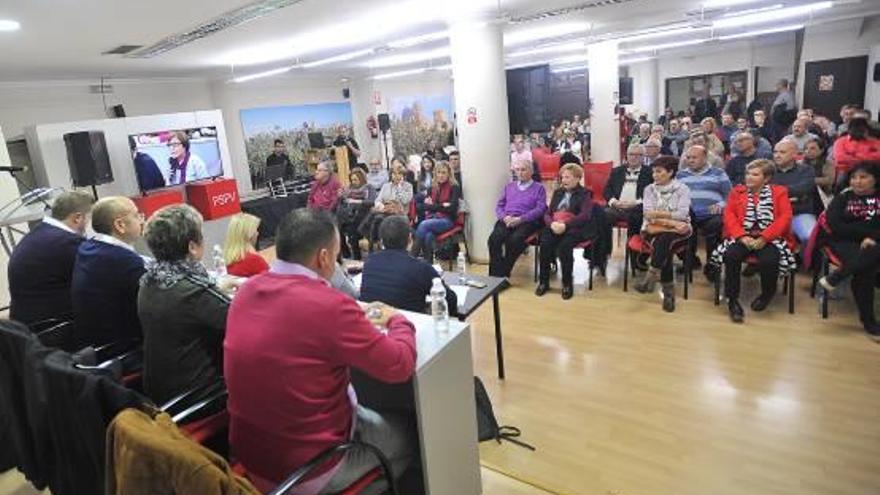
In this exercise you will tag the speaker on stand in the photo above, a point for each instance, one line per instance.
(88, 159)
(385, 126)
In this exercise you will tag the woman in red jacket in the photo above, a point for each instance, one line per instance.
(757, 222)
(239, 250)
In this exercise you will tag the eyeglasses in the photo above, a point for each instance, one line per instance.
(174, 143)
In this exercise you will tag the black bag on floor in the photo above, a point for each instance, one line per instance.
(487, 425)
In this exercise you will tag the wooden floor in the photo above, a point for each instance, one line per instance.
(621, 398)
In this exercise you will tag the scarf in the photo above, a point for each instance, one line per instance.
(165, 274)
(759, 216)
(665, 195)
(179, 167)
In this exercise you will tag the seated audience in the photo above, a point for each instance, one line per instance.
(757, 223)
(624, 189)
(377, 176)
(799, 135)
(676, 137)
(355, 202)
(441, 210)
(324, 194)
(747, 153)
(763, 149)
(107, 274)
(765, 127)
(519, 151)
(727, 130)
(520, 212)
(823, 169)
(240, 251)
(424, 182)
(854, 220)
(653, 149)
(643, 134)
(394, 277)
(667, 225)
(41, 266)
(856, 145)
(393, 199)
(409, 175)
(800, 181)
(709, 188)
(287, 366)
(182, 312)
(567, 223)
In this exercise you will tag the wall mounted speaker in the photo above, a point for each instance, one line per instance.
(384, 122)
(877, 72)
(625, 87)
(346, 93)
(87, 158)
(118, 111)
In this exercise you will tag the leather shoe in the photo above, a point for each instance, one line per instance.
(760, 303)
(542, 289)
(567, 292)
(736, 311)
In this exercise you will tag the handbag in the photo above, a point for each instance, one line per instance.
(562, 216)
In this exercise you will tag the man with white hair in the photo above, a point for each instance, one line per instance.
(624, 188)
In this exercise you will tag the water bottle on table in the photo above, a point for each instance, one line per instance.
(439, 309)
(461, 264)
(218, 264)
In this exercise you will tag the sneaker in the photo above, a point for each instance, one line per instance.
(826, 284)
(648, 282)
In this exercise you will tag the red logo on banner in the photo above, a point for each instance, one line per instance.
(472, 115)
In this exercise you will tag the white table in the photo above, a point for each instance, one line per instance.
(445, 408)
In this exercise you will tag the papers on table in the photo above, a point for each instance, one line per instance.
(461, 292)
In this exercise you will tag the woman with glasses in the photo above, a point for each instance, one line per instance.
(185, 165)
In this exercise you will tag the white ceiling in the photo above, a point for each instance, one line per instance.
(64, 39)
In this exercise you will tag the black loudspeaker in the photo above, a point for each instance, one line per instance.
(625, 91)
(384, 122)
(346, 93)
(877, 72)
(87, 158)
(118, 111)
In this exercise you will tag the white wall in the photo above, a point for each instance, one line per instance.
(43, 102)
(49, 153)
(872, 89)
(645, 83)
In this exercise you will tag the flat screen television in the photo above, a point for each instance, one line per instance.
(175, 157)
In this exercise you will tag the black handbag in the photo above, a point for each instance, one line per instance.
(487, 424)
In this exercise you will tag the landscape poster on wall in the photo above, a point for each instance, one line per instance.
(417, 120)
(291, 124)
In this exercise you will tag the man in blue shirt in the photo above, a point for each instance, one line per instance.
(800, 180)
(394, 277)
(41, 266)
(106, 275)
(709, 187)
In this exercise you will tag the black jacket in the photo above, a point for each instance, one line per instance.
(581, 205)
(705, 107)
(183, 327)
(617, 179)
(396, 278)
(40, 271)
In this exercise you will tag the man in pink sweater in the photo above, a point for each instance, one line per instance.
(291, 340)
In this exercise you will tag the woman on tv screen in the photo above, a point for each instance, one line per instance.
(185, 166)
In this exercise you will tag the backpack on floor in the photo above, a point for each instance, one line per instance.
(487, 424)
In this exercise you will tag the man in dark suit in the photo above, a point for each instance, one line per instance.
(106, 275)
(41, 267)
(148, 174)
(623, 191)
(394, 277)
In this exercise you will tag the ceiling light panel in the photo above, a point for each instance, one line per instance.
(523, 36)
(773, 15)
(760, 32)
(560, 48)
(338, 58)
(715, 4)
(409, 58)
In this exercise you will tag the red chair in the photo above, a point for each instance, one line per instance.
(457, 232)
(595, 178)
(548, 165)
(787, 287)
(636, 246)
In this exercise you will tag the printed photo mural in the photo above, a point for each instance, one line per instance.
(416, 120)
(291, 124)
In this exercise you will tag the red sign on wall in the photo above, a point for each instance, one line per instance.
(472, 115)
(214, 199)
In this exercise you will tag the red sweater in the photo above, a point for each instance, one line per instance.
(735, 212)
(290, 340)
(324, 196)
(252, 264)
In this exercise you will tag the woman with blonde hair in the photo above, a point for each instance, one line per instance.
(239, 251)
(441, 209)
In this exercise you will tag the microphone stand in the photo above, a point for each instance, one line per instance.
(385, 145)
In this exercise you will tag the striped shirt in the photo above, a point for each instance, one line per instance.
(709, 186)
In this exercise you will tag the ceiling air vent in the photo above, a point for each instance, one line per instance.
(249, 12)
(122, 49)
(567, 10)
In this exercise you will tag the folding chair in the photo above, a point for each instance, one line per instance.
(636, 246)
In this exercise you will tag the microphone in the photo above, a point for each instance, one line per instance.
(12, 169)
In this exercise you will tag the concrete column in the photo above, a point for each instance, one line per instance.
(872, 88)
(362, 107)
(605, 136)
(480, 91)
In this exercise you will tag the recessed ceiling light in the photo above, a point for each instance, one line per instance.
(9, 25)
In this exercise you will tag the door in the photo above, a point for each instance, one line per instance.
(830, 84)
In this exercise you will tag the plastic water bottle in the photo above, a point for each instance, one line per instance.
(461, 264)
(219, 263)
(439, 309)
